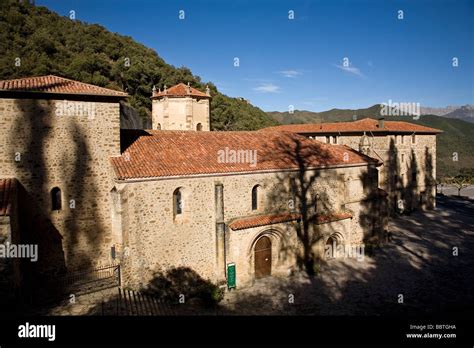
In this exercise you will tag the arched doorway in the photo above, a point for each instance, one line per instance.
(332, 245)
(263, 257)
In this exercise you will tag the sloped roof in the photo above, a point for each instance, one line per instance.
(155, 153)
(180, 90)
(270, 219)
(364, 125)
(56, 85)
(7, 192)
(335, 216)
(263, 220)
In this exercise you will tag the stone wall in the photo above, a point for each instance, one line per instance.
(396, 152)
(154, 240)
(65, 144)
(170, 113)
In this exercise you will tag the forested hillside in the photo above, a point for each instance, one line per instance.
(36, 41)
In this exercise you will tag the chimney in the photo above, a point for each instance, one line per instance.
(208, 91)
(381, 123)
(165, 90)
(153, 91)
(188, 89)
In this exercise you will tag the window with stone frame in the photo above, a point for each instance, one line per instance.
(56, 199)
(178, 202)
(255, 197)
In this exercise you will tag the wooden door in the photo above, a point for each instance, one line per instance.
(263, 257)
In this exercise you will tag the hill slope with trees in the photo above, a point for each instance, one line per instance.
(35, 41)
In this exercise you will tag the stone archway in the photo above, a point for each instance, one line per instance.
(332, 244)
(279, 251)
(263, 257)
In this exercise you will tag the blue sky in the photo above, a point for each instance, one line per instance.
(300, 61)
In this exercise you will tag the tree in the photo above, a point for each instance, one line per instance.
(463, 180)
(50, 44)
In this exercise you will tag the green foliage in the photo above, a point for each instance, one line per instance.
(464, 178)
(212, 295)
(47, 43)
(316, 268)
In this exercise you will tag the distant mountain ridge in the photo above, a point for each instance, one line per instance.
(465, 113)
(427, 110)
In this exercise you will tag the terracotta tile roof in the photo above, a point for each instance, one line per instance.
(364, 125)
(7, 192)
(155, 153)
(180, 90)
(56, 85)
(269, 219)
(324, 219)
(262, 220)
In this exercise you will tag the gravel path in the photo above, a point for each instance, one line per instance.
(418, 264)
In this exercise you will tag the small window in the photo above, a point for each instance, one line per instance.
(402, 138)
(328, 139)
(413, 139)
(158, 126)
(56, 198)
(335, 139)
(255, 190)
(293, 190)
(178, 202)
(403, 158)
(199, 127)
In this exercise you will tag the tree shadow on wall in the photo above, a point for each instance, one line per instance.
(315, 192)
(430, 180)
(38, 168)
(392, 177)
(295, 192)
(414, 275)
(398, 271)
(81, 215)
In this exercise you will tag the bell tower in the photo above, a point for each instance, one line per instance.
(364, 144)
(181, 107)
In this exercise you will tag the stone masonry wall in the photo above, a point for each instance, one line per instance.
(180, 113)
(424, 163)
(154, 241)
(53, 143)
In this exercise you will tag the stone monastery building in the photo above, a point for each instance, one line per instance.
(264, 202)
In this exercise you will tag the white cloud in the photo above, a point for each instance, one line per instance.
(290, 73)
(350, 69)
(267, 88)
